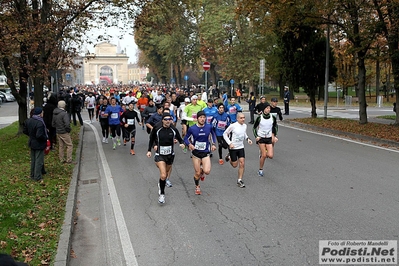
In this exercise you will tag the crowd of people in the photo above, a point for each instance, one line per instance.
(209, 122)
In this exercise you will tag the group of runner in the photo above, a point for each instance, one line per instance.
(206, 127)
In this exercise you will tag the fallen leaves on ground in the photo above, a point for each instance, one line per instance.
(376, 130)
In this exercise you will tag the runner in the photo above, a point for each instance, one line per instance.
(142, 103)
(128, 120)
(90, 103)
(180, 116)
(103, 104)
(210, 111)
(232, 109)
(198, 139)
(155, 118)
(235, 135)
(113, 112)
(191, 110)
(220, 122)
(265, 132)
(164, 139)
(148, 112)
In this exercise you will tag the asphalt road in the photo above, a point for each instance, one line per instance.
(316, 188)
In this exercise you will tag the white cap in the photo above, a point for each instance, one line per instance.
(194, 97)
(187, 100)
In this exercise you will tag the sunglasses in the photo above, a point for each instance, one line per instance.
(168, 119)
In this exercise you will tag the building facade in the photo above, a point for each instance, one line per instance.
(107, 65)
(137, 75)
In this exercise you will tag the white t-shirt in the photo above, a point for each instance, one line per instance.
(238, 134)
(91, 102)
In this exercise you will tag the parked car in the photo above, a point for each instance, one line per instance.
(7, 93)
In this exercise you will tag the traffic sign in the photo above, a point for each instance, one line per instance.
(206, 66)
(231, 81)
(185, 77)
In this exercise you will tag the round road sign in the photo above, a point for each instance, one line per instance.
(206, 66)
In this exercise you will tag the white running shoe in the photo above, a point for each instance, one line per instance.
(119, 142)
(161, 199)
(168, 183)
(103, 140)
(106, 140)
(240, 183)
(260, 172)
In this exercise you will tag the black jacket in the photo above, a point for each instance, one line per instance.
(36, 131)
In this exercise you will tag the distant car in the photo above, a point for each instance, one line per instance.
(7, 95)
(2, 98)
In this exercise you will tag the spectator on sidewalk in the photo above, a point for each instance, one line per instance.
(286, 100)
(252, 103)
(35, 128)
(61, 122)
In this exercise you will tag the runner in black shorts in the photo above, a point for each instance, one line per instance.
(235, 135)
(163, 137)
(265, 131)
(198, 139)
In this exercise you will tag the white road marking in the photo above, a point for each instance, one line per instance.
(128, 251)
(340, 138)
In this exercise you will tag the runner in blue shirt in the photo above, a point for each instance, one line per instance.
(198, 139)
(232, 109)
(210, 111)
(220, 122)
(113, 112)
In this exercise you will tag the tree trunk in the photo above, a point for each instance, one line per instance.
(377, 78)
(395, 71)
(20, 96)
(362, 90)
(38, 93)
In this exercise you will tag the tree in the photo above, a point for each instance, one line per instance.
(39, 36)
(388, 18)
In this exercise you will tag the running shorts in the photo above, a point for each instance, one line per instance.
(168, 159)
(236, 154)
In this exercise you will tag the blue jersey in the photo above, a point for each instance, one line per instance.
(210, 113)
(114, 113)
(232, 110)
(220, 122)
(199, 137)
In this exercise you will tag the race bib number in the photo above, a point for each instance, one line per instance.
(200, 145)
(114, 115)
(209, 119)
(265, 134)
(233, 110)
(142, 106)
(194, 116)
(103, 114)
(239, 138)
(90, 105)
(130, 122)
(165, 150)
(221, 125)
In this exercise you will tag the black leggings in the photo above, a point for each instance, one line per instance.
(130, 134)
(104, 127)
(115, 130)
(91, 113)
(222, 145)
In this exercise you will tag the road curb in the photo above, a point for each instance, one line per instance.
(372, 140)
(64, 243)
